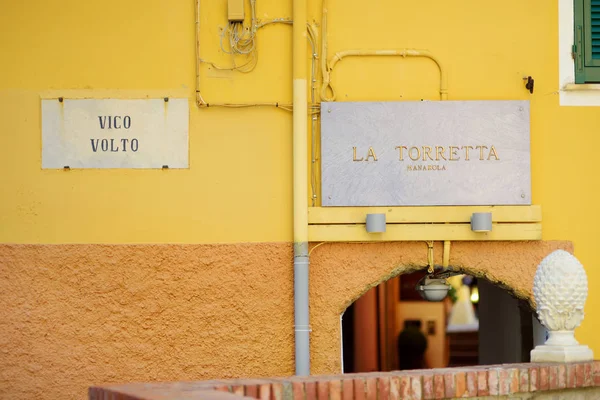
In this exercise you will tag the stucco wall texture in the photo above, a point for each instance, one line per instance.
(73, 316)
(341, 273)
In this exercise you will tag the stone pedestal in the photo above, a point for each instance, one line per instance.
(561, 346)
(560, 290)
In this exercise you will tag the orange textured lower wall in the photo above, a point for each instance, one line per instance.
(74, 316)
(340, 273)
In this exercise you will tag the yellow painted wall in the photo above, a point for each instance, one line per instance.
(238, 187)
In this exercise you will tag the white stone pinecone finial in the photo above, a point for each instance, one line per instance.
(560, 290)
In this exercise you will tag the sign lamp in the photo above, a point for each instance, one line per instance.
(375, 223)
(481, 222)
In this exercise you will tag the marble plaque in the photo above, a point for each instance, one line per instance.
(115, 133)
(425, 153)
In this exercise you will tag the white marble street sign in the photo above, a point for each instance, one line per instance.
(115, 133)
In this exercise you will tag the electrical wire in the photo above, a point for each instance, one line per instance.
(275, 21)
(240, 42)
(315, 247)
(286, 107)
(430, 269)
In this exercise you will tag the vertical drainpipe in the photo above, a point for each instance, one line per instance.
(300, 156)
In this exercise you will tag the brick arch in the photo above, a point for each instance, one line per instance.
(342, 272)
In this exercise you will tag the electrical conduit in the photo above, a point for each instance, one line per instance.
(300, 168)
(362, 53)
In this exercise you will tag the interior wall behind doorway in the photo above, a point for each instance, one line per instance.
(366, 329)
(506, 326)
(508, 329)
(369, 329)
(371, 325)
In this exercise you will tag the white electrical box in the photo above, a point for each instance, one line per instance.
(235, 10)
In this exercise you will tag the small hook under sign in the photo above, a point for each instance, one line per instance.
(529, 84)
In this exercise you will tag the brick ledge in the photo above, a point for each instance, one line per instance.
(467, 382)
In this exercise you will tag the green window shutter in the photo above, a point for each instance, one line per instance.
(586, 49)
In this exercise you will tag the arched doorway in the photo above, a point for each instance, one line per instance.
(391, 327)
(340, 273)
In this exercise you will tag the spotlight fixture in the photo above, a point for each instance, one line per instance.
(375, 223)
(481, 222)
